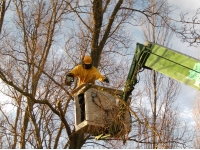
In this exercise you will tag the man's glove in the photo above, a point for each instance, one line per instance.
(70, 74)
(69, 79)
(106, 80)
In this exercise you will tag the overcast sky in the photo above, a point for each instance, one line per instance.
(187, 96)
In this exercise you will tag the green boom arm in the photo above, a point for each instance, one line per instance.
(169, 62)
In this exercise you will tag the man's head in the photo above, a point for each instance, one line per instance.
(87, 62)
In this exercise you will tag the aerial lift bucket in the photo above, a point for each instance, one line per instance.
(105, 113)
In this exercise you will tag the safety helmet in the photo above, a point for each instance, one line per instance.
(87, 60)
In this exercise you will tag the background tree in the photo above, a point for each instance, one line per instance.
(34, 71)
(44, 40)
(3, 8)
(187, 28)
(196, 113)
(159, 92)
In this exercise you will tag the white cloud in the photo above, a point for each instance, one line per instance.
(185, 5)
(186, 114)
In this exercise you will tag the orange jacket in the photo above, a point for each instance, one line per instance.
(87, 75)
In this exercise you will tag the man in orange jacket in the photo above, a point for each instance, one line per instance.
(86, 74)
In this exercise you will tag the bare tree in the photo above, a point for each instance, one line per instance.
(33, 65)
(159, 91)
(196, 113)
(3, 8)
(187, 29)
(34, 75)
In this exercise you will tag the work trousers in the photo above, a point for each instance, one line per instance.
(82, 105)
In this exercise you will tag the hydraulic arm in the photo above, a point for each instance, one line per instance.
(171, 63)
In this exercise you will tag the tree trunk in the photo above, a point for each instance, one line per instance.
(154, 109)
(76, 140)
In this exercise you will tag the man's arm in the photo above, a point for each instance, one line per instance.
(101, 77)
